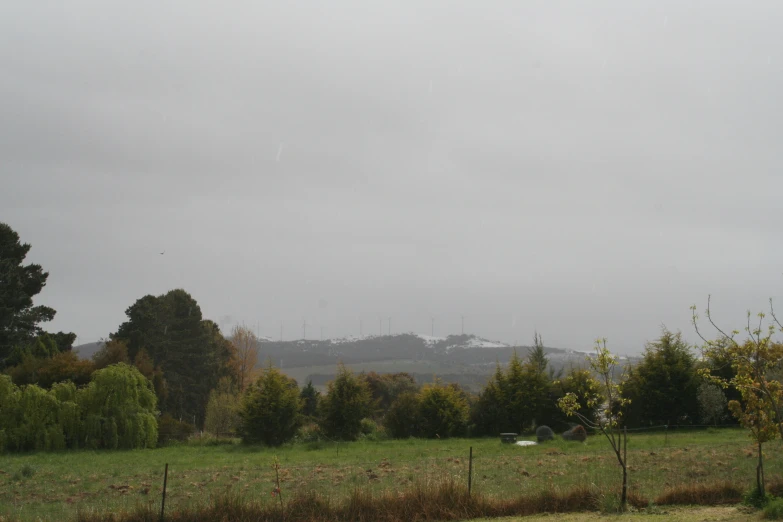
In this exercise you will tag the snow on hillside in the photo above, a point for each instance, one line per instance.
(350, 339)
(477, 342)
(473, 342)
(430, 340)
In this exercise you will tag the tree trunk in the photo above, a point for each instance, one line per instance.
(624, 496)
(760, 475)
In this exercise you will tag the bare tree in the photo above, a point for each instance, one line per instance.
(246, 350)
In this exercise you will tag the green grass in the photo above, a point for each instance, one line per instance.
(53, 486)
(300, 373)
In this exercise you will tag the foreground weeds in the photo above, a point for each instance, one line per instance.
(446, 501)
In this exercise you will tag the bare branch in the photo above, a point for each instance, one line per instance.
(772, 313)
(709, 317)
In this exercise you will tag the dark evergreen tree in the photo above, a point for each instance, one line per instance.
(663, 388)
(19, 318)
(346, 403)
(402, 420)
(488, 414)
(310, 398)
(190, 350)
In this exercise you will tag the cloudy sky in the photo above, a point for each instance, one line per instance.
(584, 171)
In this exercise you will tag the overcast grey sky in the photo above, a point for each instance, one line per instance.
(586, 171)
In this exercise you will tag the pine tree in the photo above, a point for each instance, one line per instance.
(19, 283)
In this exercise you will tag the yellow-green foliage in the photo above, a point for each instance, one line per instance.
(755, 362)
(222, 417)
(116, 410)
(270, 411)
(443, 411)
(122, 400)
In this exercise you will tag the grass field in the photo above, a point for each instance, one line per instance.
(300, 373)
(54, 486)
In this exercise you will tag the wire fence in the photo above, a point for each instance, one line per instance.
(663, 459)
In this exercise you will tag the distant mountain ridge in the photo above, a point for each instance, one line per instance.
(87, 350)
(467, 359)
(466, 348)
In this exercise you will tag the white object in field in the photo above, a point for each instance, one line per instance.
(526, 443)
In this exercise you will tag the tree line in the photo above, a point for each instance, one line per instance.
(180, 373)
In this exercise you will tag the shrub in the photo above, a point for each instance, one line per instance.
(443, 412)
(372, 431)
(774, 509)
(270, 410)
(309, 433)
(402, 419)
(385, 388)
(577, 433)
(222, 415)
(754, 498)
(346, 403)
(544, 433)
(171, 429)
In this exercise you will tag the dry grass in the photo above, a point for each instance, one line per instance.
(446, 501)
(702, 494)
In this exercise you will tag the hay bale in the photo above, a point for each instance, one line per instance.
(578, 433)
(544, 433)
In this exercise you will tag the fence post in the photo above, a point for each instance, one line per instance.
(470, 470)
(163, 500)
(666, 436)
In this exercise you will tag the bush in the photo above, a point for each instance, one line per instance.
(774, 509)
(210, 441)
(544, 433)
(309, 433)
(171, 429)
(443, 412)
(371, 431)
(402, 419)
(222, 415)
(577, 433)
(346, 403)
(754, 499)
(270, 411)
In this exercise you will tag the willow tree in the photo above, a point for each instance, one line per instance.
(610, 403)
(119, 409)
(754, 361)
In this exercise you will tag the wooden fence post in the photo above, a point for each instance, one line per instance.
(163, 500)
(470, 470)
